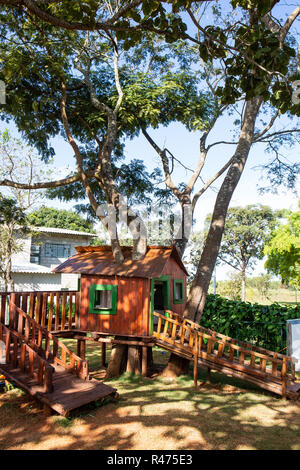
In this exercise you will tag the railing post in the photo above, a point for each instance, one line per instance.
(196, 359)
(48, 386)
(284, 377)
(77, 316)
(12, 309)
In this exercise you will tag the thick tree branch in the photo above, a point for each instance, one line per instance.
(210, 182)
(45, 184)
(287, 26)
(165, 162)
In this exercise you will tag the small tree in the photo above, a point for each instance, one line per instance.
(21, 163)
(261, 283)
(283, 251)
(231, 288)
(12, 221)
(246, 231)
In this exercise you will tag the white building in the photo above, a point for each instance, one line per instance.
(42, 251)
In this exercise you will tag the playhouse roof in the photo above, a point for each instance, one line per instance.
(99, 260)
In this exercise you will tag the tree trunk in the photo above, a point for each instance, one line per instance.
(116, 363)
(184, 232)
(176, 366)
(243, 278)
(200, 285)
(126, 358)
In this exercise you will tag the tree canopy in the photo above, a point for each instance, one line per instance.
(101, 72)
(59, 218)
(283, 251)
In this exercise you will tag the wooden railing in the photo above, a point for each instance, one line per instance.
(197, 343)
(55, 311)
(46, 344)
(4, 301)
(228, 339)
(23, 357)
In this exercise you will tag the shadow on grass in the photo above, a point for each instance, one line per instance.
(158, 414)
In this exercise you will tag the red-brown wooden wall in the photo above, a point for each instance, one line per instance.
(132, 317)
(173, 270)
(133, 303)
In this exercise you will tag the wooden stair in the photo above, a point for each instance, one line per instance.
(207, 348)
(41, 365)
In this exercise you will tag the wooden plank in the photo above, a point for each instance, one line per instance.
(22, 357)
(63, 310)
(38, 307)
(31, 304)
(77, 310)
(3, 307)
(44, 309)
(50, 315)
(70, 310)
(15, 352)
(144, 360)
(57, 311)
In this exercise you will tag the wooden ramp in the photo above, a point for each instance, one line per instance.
(269, 370)
(40, 364)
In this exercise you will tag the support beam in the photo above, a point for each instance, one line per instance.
(144, 360)
(103, 354)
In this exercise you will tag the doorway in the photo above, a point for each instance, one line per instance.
(160, 297)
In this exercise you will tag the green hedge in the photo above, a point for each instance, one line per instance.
(265, 325)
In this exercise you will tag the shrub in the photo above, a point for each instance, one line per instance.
(264, 325)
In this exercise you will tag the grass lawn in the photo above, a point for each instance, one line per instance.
(156, 413)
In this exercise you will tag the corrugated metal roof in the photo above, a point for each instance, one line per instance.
(63, 231)
(31, 268)
(99, 260)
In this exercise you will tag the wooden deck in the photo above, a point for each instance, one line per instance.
(40, 364)
(69, 392)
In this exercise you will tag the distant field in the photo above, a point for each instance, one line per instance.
(278, 295)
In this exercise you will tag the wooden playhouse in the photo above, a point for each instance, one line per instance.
(133, 306)
(119, 299)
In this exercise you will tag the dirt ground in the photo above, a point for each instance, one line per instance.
(158, 415)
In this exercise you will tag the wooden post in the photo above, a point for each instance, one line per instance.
(144, 360)
(81, 348)
(48, 386)
(196, 360)
(284, 377)
(103, 354)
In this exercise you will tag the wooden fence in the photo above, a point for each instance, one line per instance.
(45, 344)
(23, 357)
(55, 311)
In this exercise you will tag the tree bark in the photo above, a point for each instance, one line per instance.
(200, 285)
(243, 280)
(176, 366)
(115, 365)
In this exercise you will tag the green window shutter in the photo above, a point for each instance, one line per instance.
(103, 299)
